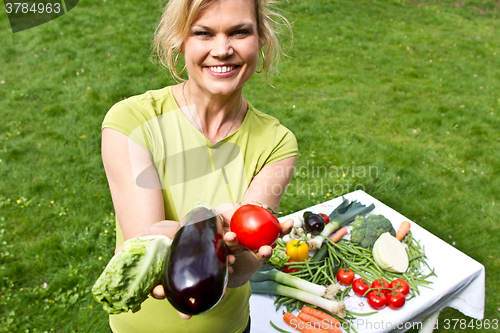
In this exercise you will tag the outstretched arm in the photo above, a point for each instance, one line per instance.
(137, 209)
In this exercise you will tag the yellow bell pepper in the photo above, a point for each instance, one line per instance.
(297, 250)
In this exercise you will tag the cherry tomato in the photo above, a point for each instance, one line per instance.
(376, 300)
(345, 276)
(381, 283)
(289, 269)
(360, 286)
(395, 300)
(401, 286)
(255, 226)
(325, 217)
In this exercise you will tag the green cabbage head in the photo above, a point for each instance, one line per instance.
(132, 274)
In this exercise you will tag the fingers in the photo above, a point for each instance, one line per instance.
(183, 315)
(158, 292)
(230, 260)
(286, 227)
(119, 248)
(232, 242)
(265, 252)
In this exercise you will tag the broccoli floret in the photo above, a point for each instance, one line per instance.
(279, 257)
(366, 230)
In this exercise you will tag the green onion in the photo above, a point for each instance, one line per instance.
(274, 288)
(289, 280)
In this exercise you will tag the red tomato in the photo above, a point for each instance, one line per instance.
(381, 283)
(289, 269)
(400, 286)
(325, 217)
(395, 300)
(255, 226)
(360, 286)
(345, 276)
(376, 300)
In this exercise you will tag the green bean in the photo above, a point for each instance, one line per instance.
(277, 328)
(362, 314)
(349, 248)
(375, 265)
(331, 252)
(354, 263)
(297, 305)
(299, 274)
(366, 276)
(278, 304)
(329, 277)
(303, 264)
(316, 275)
(308, 267)
(345, 292)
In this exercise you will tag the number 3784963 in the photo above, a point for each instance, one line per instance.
(38, 8)
(469, 324)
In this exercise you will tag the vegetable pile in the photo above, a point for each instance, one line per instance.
(384, 267)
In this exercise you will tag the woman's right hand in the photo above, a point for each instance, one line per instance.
(159, 293)
(164, 228)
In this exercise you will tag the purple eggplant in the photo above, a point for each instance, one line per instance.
(196, 269)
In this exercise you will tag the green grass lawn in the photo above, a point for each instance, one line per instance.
(399, 98)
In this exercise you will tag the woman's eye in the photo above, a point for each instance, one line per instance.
(201, 33)
(242, 32)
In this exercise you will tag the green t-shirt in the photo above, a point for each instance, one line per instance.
(190, 168)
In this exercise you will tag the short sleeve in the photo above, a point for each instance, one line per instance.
(285, 145)
(125, 116)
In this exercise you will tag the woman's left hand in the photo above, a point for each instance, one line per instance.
(247, 263)
(265, 252)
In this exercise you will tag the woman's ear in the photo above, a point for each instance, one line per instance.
(262, 42)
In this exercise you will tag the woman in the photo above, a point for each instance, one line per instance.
(198, 140)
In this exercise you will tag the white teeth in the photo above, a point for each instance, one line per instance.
(221, 69)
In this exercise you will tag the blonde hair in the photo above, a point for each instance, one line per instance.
(179, 15)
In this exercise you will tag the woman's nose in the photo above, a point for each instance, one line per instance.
(222, 47)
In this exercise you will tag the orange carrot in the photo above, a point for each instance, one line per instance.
(316, 322)
(403, 229)
(300, 325)
(334, 322)
(339, 234)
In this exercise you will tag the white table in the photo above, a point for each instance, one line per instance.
(454, 286)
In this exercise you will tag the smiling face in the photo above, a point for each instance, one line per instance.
(222, 47)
